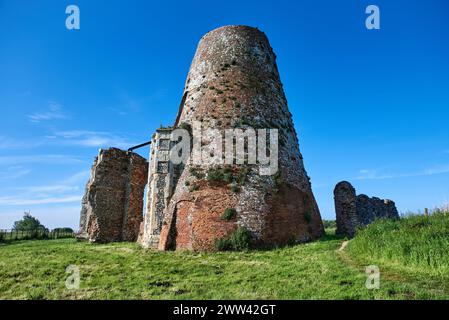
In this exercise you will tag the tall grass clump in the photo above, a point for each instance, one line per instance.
(414, 240)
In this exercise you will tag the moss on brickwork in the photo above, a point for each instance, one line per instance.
(229, 214)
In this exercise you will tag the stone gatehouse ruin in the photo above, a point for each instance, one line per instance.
(354, 211)
(233, 82)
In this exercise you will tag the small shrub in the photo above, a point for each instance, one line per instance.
(185, 126)
(228, 177)
(242, 176)
(278, 179)
(229, 214)
(197, 173)
(194, 188)
(235, 188)
(215, 175)
(329, 224)
(238, 241)
(223, 245)
(308, 216)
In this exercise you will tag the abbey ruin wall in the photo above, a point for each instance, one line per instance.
(355, 211)
(112, 205)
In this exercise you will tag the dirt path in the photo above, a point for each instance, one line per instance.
(343, 245)
(391, 275)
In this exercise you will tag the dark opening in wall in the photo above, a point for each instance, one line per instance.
(181, 108)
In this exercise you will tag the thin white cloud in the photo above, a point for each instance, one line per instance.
(64, 191)
(54, 112)
(69, 184)
(14, 172)
(73, 138)
(78, 177)
(118, 111)
(11, 143)
(373, 174)
(41, 159)
(53, 189)
(436, 170)
(17, 201)
(93, 139)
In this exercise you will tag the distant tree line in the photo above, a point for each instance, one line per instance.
(30, 227)
(329, 224)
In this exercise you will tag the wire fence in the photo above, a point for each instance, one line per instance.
(14, 235)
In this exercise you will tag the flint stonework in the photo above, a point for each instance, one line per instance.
(355, 211)
(233, 82)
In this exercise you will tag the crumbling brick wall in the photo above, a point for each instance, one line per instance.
(354, 211)
(112, 205)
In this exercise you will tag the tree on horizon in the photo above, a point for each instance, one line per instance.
(28, 223)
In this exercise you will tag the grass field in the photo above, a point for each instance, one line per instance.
(36, 270)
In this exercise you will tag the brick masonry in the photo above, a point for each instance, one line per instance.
(112, 205)
(233, 82)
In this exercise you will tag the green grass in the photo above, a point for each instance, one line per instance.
(36, 270)
(417, 243)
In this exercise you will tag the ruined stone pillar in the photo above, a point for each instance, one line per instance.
(112, 205)
(160, 185)
(345, 209)
(356, 211)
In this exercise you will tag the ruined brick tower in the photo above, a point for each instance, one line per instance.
(233, 82)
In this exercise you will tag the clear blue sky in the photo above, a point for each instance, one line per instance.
(370, 106)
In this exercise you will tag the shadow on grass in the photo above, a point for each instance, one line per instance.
(328, 236)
